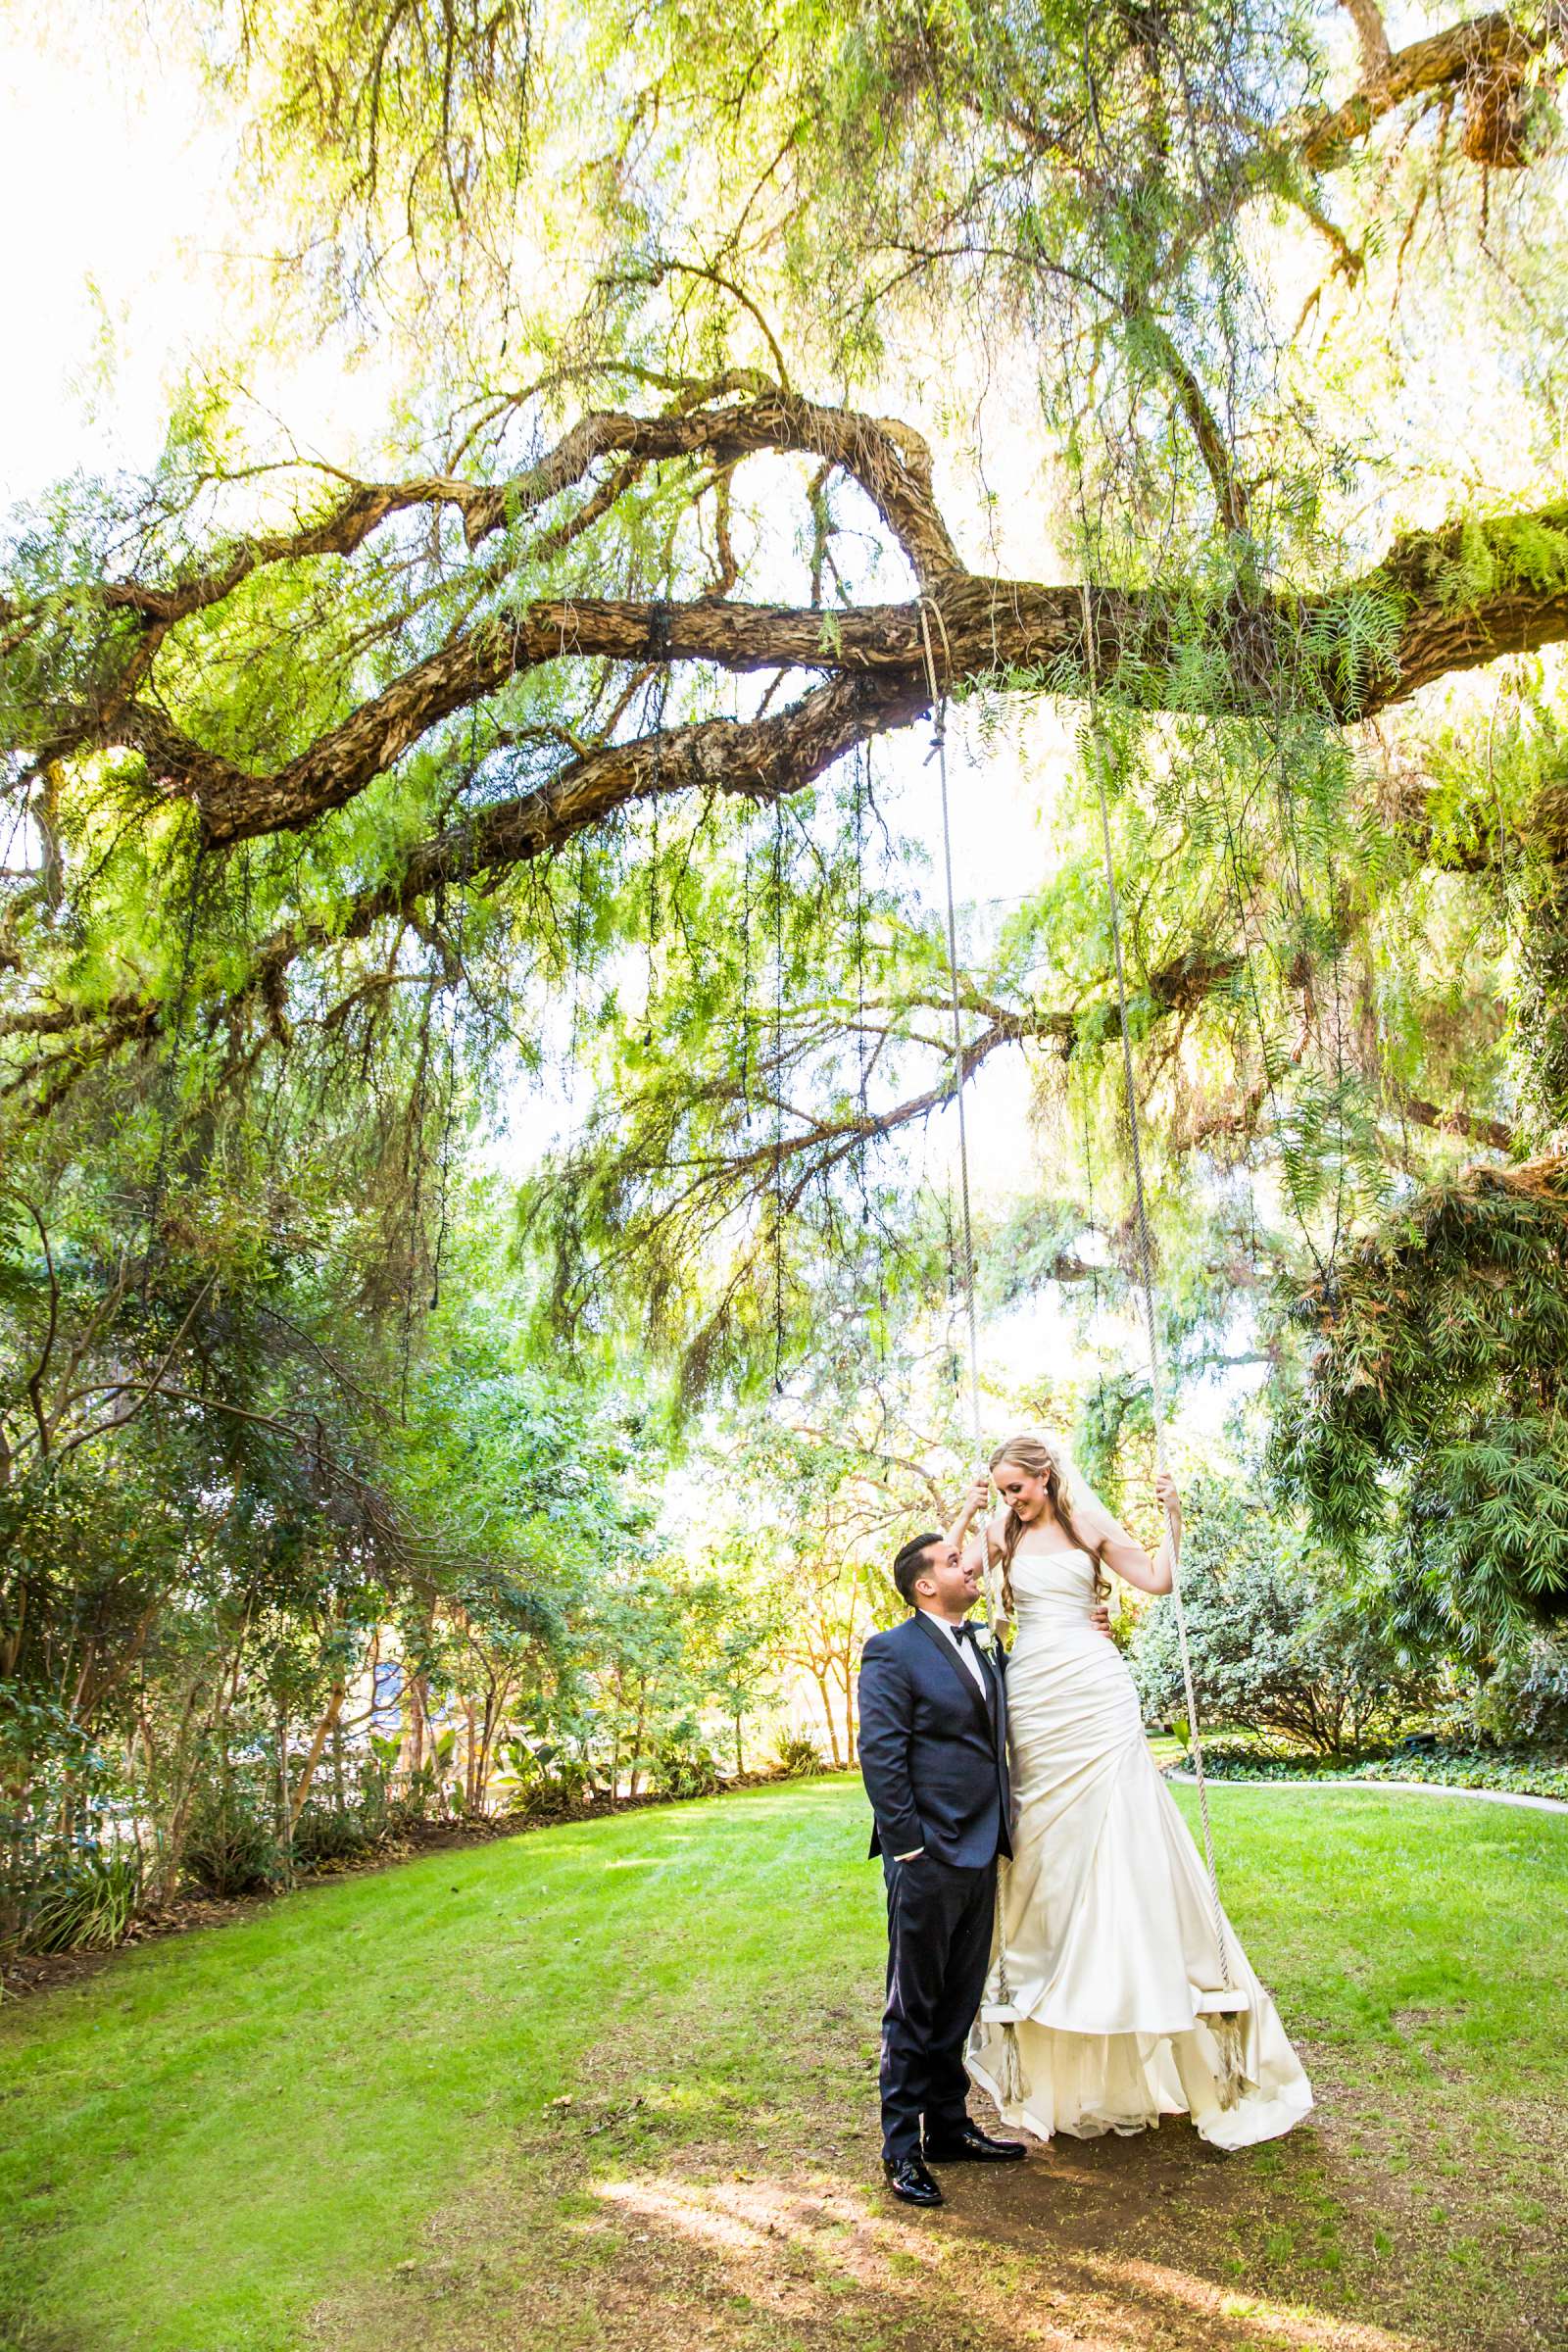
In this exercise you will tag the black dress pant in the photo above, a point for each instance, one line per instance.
(940, 1919)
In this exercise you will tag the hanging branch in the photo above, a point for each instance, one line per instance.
(1008, 633)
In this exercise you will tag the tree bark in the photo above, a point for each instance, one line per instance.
(322, 1733)
(1281, 650)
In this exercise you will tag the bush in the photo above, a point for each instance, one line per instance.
(1232, 1759)
(1521, 1772)
(566, 1785)
(545, 1778)
(1525, 1697)
(231, 1847)
(325, 1833)
(57, 1792)
(1279, 1643)
(798, 1756)
(87, 1905)
(683, 1765)
(538, 1800)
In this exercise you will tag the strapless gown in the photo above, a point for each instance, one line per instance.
(1114, 1972)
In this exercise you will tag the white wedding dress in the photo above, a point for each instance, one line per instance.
(1112, 1967)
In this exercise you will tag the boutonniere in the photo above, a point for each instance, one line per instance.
(984, 1637)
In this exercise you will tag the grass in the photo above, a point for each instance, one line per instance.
(616, 2080)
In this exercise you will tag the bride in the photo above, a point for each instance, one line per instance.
(1109, 2003)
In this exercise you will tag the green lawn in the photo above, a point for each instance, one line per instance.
(344, 2123)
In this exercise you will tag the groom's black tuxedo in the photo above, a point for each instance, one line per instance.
(934, 1759)
(933, 1751)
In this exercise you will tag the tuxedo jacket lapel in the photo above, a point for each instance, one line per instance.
(992, 1662)
(957, 1669)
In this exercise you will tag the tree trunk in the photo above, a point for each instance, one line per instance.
(295, 1804)
(637, 1739)
(284, 1818)
(819, 1675)
(471, 1756)
(423, 1736)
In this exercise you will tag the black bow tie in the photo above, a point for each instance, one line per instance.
(966, 1632)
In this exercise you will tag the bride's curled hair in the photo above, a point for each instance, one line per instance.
(1033, 1454)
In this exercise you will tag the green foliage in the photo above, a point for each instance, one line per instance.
(1526, 1772)
(1355, 638)
(683, 1765)
(231, 1845)
(799, 1757)
(1432, 1406)
(1525, 1696)
(87, 1903)
(1525, 551)
(64, 1873)
(1523, 1772)
(1278, 1643)
(330, 1833)
(691, 1213)
(544, 1779)
(1048, 155)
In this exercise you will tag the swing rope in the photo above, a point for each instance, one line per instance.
(1226, 2015)
(938, 751)
(1011, 2083)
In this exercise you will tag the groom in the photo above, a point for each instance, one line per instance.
(934, 1759)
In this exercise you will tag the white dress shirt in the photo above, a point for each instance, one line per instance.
(965, 1649)
(968, 1656)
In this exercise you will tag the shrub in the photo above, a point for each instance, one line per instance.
(538, 1800)
(1526, 1773)
(683, 1765)
(87, 1904)
(542, 1789)
(417, 1800)
(1522, 1773)
(1279, 1642)
(327, 1834)
(57, 1790)
(798, 1756)
(231, 1847)
(1525, 1697)
(1225, 1759)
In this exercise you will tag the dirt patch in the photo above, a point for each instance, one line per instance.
(605, 2225)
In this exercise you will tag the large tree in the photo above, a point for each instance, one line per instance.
(291, 741)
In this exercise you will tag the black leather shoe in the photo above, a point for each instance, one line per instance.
(908, 2178)
(972, 2146)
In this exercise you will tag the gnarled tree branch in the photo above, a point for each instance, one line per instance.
(988, 628)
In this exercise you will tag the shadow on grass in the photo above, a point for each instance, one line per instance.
(1155, 2242)
(693, 2214)
(617, 2086)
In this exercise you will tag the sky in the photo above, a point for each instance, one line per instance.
(100, 259)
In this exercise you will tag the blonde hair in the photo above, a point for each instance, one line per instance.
(1033, 1454)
